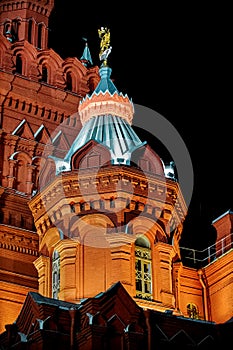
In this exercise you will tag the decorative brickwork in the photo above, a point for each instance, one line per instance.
(37, 105)
(90, 223)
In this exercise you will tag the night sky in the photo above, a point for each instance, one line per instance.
(174, 59)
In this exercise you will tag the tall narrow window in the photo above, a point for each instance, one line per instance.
(19, 65)
(39, 37)
(44, 76)
(101, 202)
(143, 268)
(7, 27)
(82, 206)
(15, 29)
(68, 81)
(30, 31)
(112, 202)
(55, 274)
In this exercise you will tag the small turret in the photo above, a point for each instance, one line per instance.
(86, 56)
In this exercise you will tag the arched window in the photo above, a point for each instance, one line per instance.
(143, 268)
(15, 29)
(192, 311)
(39, 37)
(7, 27)
(55, 274)
(8, 32)
(112, 202)
(72, 207)
(19, 64)
(30, 31)
(82, 206)
(44, 75)
(68, 81)
(101, 202)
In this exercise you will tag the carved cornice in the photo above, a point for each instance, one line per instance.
(153, 194)
(18, 240)
(44, 7)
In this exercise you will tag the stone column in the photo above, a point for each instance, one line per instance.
(11, 177)
(29, 183)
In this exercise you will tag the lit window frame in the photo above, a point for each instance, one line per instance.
(143, 271)
(192, 311)
(55, 274)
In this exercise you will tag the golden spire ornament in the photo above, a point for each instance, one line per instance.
(105, 48)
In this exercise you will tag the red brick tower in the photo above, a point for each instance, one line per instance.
(38, 91)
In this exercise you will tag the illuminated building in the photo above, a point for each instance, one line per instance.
(90, 219)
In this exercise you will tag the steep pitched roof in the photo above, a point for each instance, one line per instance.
(110, 314)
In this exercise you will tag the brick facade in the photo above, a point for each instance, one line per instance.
(91, 216)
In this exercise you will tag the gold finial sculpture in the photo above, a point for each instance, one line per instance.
(105, 48)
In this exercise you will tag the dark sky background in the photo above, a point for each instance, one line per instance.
(173, 58)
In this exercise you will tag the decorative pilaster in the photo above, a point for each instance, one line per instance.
(69, 271)
(177, 267)
(163, 255)
(122, 265)
(11, 177)
(29, 182)
(43, 266)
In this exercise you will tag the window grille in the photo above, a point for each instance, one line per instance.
(55, 274)
(143, 269)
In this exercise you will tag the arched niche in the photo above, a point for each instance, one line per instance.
(91, 230)
(76, 70)
(142, 225)
(27, 54)
(21, 170)
(49, 240)
(53, 63)
(142, 241)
